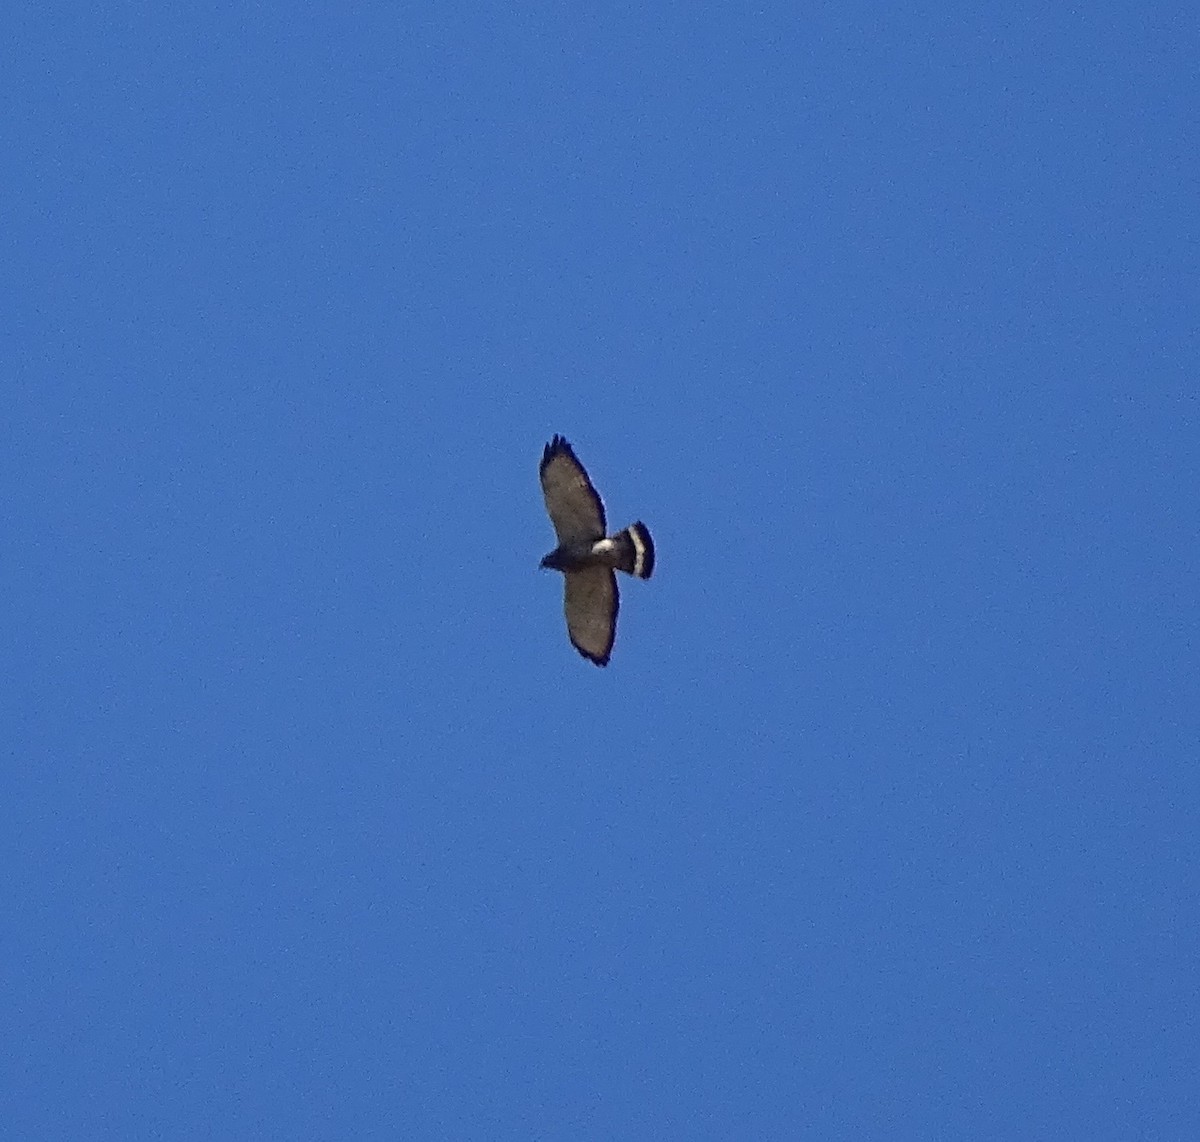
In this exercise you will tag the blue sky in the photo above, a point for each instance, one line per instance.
(882, 821)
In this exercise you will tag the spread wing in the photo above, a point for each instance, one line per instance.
(591, 604)
(574, 505)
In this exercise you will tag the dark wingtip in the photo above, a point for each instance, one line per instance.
(556, 447)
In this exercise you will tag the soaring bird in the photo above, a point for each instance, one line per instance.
(586, 555)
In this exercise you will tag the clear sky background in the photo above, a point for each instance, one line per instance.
(883, 821)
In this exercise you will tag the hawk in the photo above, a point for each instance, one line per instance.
(586, 555)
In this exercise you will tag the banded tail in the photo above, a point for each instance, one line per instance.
(635, 550)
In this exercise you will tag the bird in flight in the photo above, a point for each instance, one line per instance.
(586, 555)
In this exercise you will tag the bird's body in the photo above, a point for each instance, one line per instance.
(585, 555)
(576, 556)
(632, 552)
